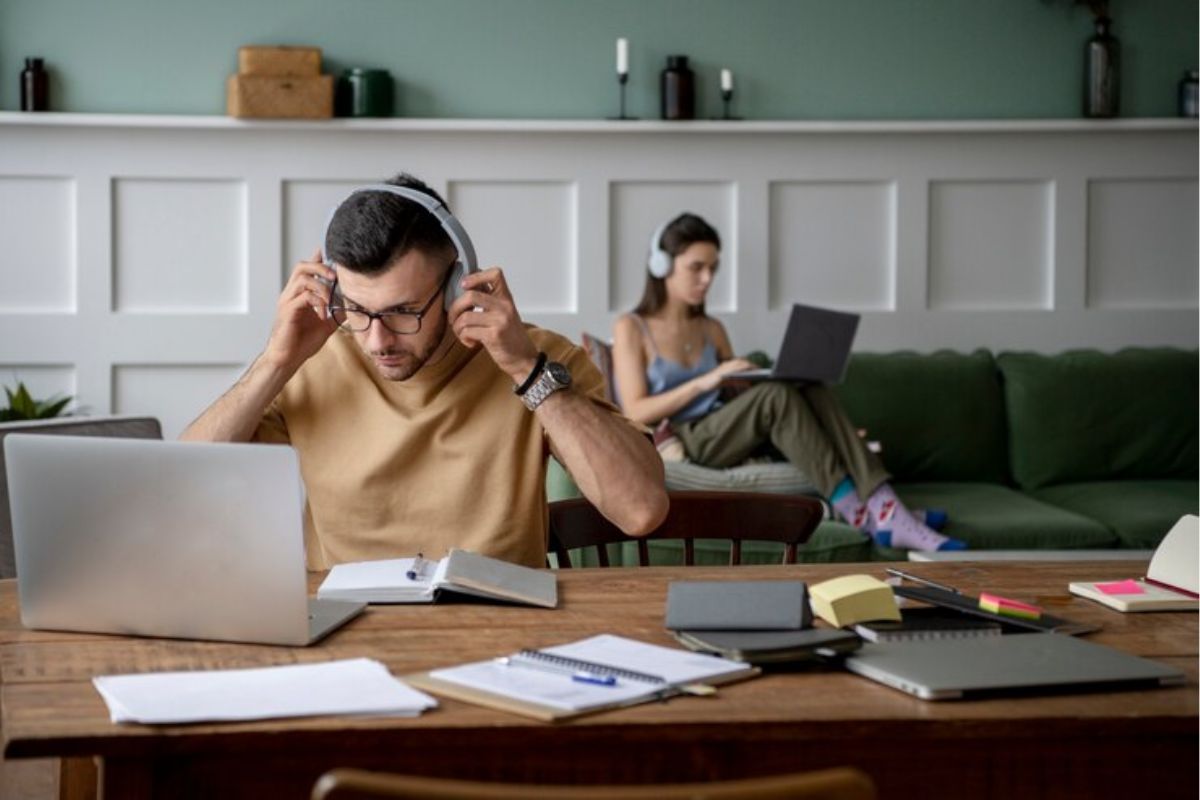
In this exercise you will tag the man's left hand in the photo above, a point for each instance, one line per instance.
(485, 315)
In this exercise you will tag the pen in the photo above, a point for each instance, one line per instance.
(418, 564)
(577, 675)
(923, 581)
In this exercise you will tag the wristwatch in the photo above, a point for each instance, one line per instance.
(554, 377)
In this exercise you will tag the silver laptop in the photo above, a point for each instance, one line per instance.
(152, 538)
(947, 669)
(815, 348)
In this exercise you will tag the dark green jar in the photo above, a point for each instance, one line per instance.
(364, 93)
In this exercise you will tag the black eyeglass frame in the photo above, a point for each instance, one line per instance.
(383, 315)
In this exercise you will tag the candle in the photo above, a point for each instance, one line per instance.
(726, 81)
(622, 56)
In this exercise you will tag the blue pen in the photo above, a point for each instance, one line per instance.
(577, 675)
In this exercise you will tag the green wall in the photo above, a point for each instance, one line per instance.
(792, 59)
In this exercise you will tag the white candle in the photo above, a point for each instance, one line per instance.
(726, 81)
(622, 56)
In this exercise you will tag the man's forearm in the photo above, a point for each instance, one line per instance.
(235, 415)
(615, 467)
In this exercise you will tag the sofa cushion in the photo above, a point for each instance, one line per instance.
(992, 517)
(938, 417)
(1139, 512)
(1088, 416)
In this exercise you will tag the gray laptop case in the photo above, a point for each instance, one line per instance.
(737, 605)
(1018, 662)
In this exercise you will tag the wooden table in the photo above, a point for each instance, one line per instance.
(1082, 745)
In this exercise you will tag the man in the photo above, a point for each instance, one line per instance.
(402, 408)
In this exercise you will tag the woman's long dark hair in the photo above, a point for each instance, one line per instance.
(680, 234)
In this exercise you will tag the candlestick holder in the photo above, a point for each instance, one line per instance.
(726, 99)
(622, 79)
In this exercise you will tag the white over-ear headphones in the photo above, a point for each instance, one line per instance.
(660, 260)
(463, 265)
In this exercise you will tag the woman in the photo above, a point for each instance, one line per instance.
(669, 361)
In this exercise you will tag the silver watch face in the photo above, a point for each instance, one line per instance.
(559, 373)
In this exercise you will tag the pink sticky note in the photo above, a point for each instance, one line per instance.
(1127, 586)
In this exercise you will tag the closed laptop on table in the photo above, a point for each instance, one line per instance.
(1017, 662)
(151, 538)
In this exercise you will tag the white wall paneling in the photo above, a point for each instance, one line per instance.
(37, 227)
(530, 229)
(1142, 243)
(147, 253)
(833, 244)
(991, 245)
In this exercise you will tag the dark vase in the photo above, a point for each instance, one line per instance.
(1102, 84)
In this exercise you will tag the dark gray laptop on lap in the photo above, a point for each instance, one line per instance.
(947, 669)
(815, 348)
(152, 538)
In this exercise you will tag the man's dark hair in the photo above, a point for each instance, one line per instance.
(680, 234)
(370, 230)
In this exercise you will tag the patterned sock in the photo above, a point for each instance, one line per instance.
(935, 518)
(845, 500)
(895, 526)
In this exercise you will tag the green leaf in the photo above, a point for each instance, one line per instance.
(52, 407)
(22, 405)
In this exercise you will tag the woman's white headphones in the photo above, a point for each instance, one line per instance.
(660, 260)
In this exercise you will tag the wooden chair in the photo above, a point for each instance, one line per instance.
(842, 783)
(736, 516)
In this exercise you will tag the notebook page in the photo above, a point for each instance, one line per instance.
(381, 581)
(556, 690)
(674, 665)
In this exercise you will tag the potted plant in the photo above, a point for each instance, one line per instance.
(22, 405)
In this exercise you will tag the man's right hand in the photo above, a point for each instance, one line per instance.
(301, 325)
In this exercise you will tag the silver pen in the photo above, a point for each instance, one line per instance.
(922, 581)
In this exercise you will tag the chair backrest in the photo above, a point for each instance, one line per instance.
(124, 427)
(736, 516)
(840, 783)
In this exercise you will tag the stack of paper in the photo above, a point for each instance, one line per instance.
(358, 686)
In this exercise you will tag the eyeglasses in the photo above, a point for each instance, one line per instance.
(358, 320)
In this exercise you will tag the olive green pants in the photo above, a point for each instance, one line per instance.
(806, 424)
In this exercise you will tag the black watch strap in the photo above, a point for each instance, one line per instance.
(533, 374)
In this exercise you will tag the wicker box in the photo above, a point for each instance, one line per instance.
(280, 62)
(265, 97)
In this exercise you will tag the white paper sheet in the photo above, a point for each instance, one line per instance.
(359, 686)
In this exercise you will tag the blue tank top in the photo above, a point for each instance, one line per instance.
(663, 374)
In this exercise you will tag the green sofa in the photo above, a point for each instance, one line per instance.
(1023, 451)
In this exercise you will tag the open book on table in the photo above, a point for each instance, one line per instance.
(417, 580)
(1172, 582)
(582, 677)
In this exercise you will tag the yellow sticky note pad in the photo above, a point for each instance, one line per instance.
(851, 599)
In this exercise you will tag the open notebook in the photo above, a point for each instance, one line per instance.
(1172, 582)
(415, 580)
(582, 677)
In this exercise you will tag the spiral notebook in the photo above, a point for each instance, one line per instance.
(583, 677)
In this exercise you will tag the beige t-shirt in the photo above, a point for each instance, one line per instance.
(448, 458)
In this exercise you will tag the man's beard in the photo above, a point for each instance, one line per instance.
(412, 360)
